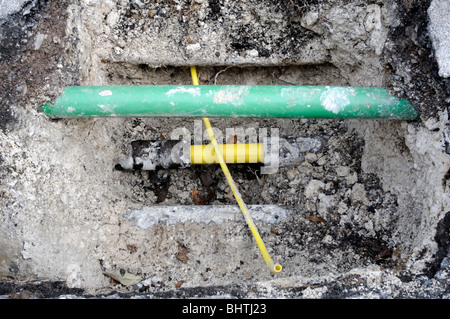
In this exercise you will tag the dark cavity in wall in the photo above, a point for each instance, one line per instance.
(442, 239)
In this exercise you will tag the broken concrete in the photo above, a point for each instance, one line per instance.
(152, 215)
(221, 33)
(439, 27)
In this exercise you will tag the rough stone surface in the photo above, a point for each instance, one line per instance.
(370, 211)
(347, 34)
(439, 28)
(411, 70)
(8, 7)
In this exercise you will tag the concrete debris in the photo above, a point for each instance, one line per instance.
(151, 215)
(8, 7)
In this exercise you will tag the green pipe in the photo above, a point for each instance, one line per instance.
(225, 101)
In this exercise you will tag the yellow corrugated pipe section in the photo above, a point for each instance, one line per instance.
(232, 153)
(275, 268)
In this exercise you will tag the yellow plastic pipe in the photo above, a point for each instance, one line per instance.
(232, 153)
(275, 268)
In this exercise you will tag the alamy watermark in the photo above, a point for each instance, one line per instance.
(239, 135)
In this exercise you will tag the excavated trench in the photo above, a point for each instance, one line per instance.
(367, 212)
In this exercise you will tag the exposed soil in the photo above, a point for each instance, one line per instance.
(412, 71)
(36, 56)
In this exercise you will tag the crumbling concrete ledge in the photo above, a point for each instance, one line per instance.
(151, 215)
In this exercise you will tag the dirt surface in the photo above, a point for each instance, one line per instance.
(412, 71)
(370, 213)
(36, 54)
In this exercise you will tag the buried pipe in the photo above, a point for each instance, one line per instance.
(275, 268)
(169, 154)
(230, 101)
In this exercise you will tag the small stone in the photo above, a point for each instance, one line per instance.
(275, 230)
(327, 239)
(322, 161)
(352, 179)
(358, 194)
(252, 53)
(310, 19)
(112, 19)
(138, 4)
(313, 188)
(246, 19)
(311, 157)
(369, 225)
(91, 2)
(63, 198)
(192, 38)
(291, 174)
(342, 171)
(118, 50)
(206, 179)
(39, 39)
(342, 208)
(192, 48)
(326, 202)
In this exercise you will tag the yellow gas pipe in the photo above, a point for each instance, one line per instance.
(275, 268)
